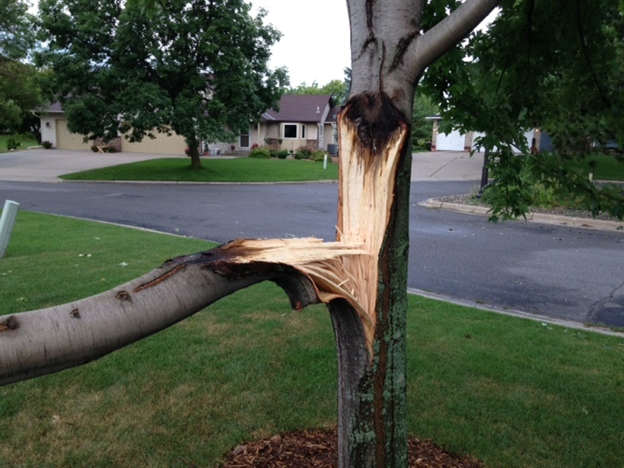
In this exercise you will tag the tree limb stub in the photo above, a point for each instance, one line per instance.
(49, 340)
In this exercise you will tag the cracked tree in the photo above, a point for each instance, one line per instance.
(362, 276)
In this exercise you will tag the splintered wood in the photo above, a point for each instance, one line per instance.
(347, 268)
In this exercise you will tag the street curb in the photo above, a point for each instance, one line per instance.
(541, 218)
(517, 313)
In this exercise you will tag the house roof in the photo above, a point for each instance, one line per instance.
(54, 108)
(293, 108)
(333, 114)
(299, 108)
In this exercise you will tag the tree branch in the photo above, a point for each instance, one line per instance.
(49, 340)
(448, 32)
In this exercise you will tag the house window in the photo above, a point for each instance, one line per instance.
(303, 132)
(290, 131)
(244, 139)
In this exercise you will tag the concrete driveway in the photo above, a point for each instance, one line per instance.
(39, 165)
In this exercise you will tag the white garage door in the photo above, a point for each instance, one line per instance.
(162, 144)
(454, 141)
(67, 140)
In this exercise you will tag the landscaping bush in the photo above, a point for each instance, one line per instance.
(46, 144)
(94, 148)
(111, 149)
(13, 143)
(303, 153)
(318, 156)
(283, 154)
(260, 152)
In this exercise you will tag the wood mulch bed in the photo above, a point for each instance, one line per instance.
(318, 449)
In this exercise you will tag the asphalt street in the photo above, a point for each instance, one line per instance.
(553, 271)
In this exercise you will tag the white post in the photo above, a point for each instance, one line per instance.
(325, 162)
(7, 220)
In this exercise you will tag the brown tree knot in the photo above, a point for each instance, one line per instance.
(123, 296)
(158, 280)
(74, 314)
(9, 323)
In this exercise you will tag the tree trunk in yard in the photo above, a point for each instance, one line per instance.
(194, 153)
(362, 276)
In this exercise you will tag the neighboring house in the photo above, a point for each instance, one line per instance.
(457, 141)
(303, 120)
(54, 129)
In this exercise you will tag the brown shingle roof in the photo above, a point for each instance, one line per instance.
(299, 108)
(333, 113)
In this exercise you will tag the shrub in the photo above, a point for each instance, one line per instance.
(318, 156)
(260, 152)
(283, 154)
(46, 144)
(13, 143)
(94, 148)
(111, 149)
(303, 153)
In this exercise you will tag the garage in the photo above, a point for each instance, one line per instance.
(454, 141)
(162, 144)
(67, 140)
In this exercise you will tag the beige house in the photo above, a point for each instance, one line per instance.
(302, 120)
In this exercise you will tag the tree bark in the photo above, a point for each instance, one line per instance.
(389, 54)
(194, 153)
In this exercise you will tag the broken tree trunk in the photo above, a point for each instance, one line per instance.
(373, 211)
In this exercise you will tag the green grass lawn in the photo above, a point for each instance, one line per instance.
(511, 392)
(214, 170)
(25, 142)
(607, 167)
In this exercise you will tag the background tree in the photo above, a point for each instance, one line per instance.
(529, 71)
(20, 86)
(198, 68)
(17, 36)
(337, 89)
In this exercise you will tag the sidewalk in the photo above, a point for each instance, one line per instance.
(39, 165)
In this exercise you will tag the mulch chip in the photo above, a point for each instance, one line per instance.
(318, 449)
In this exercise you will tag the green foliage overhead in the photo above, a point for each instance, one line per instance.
(199, 68)
(551, 64)
(17, 36)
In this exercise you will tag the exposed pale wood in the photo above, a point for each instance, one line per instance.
(366, 196)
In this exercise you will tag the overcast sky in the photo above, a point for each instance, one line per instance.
(315, 38)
